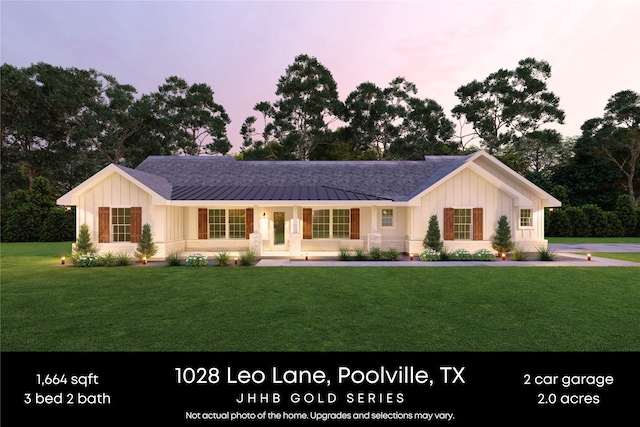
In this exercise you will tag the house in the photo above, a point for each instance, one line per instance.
(285, 208)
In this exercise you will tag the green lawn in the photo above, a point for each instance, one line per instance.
(582, 240)
(624, 256)
(52, 308)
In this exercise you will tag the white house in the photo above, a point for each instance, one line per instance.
(287, 208)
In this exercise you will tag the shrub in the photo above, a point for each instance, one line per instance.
(248, 257)
(579, 222)
(174, 258)
(123, 258)
(484, 255)
(344, 254)
(146, 247)
(445, 255)
(375, 253)
(615, 228)
(597, 220)
(361, 254)
(432, 238)
(85, 260)
(519, 254)
(502, 239)
(557, 223)
(223, 258)
(107, 259)
(627, 215)
(429, 255)
(196, 260)
(58, 226)
(545, 254)
(392, 254)
(461, 255)
(83, 243)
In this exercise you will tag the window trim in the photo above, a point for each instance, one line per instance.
(520, 217)
(383, 217)
(113, 224)
(469, 232)
(330, 224)
(228, 224)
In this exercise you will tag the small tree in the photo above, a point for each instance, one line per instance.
(432, 238)
(146, 247)
(83, 243)
(502, 239)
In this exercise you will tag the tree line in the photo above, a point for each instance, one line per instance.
(65, 124)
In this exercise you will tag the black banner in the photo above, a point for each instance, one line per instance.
(318, 388)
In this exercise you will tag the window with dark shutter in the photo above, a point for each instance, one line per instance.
(248, 218)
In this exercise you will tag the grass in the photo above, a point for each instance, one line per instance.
(581, 240)
(49, 308)
(624, 256)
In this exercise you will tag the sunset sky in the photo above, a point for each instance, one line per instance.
(241, 48)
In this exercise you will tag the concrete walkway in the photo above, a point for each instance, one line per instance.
(565, 257)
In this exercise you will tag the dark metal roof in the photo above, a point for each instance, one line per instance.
(261, 192)
(224, 178)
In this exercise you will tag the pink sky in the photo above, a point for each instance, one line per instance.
(241, 48)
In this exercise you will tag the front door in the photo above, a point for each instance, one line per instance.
(278, 228)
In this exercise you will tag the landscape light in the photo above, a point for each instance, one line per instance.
(588, 257)
(410, 257)
(62, 260)
(144, 260)
(504, 256)
(235, 261)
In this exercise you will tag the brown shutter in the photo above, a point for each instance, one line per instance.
(136, 224)
(477, 224)
(103, 225)
(307, 223)
(248, 222)
(203, 223)
(355, 223)
(448, 223)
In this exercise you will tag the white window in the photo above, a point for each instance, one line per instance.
(462, 224)
(387, 217)
(525, 218)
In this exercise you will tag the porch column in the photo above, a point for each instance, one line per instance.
(374, 239)
(255, 241)
(295, 238)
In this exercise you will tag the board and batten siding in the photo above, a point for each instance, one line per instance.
(114, 191)
(464, 190)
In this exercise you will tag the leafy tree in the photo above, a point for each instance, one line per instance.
(502, 239)
(626, 214)
(588, 177)
(83, 244)
(617, 135)
(432, 238)
(508, 104)
(146, 247)
(193, 122)
(41, 108)
(308, 104)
